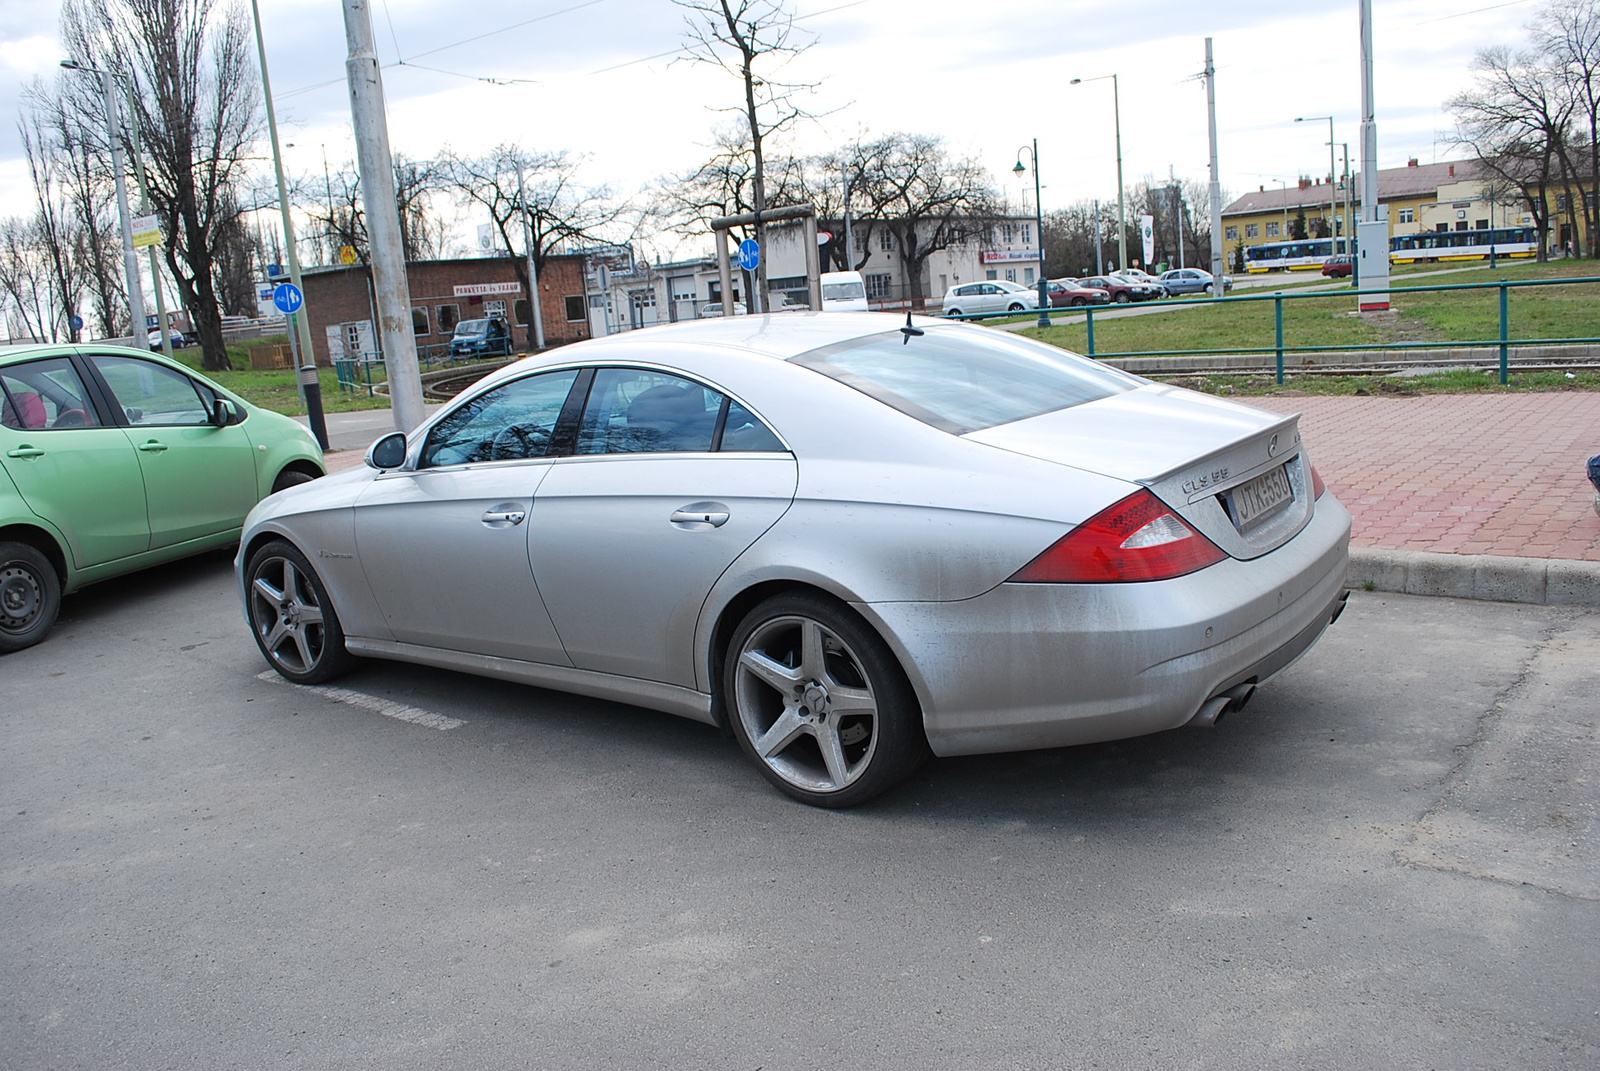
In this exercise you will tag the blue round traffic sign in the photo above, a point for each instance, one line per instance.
(287, 297)
(749, 254)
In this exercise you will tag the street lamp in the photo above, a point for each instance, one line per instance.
(1038, 219)
(1333, 193)
(1122, 212)
(130, 260)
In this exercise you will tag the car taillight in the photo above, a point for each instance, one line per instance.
(1136, 539)
(1317, 486)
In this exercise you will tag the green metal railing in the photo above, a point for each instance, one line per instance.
(1278, 349)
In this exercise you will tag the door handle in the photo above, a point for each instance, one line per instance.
(715, 518)
(507, 516)
(153, 447)
(25, 452)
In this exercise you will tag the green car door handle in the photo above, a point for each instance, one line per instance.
(153, 447)
(25, 452)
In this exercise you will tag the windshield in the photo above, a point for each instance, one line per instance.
(472, 327)
(843, 291)
(962, 380)
(1006, 284)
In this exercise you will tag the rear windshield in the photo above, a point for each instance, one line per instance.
(966, 379)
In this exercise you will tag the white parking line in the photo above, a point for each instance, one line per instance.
(387, 707)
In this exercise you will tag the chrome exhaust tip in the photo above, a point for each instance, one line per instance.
(1214, 709)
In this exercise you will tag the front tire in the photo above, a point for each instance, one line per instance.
(818, 702)
(1015, 306)
(30, 596)
(1121, 298)
(292, 618)
(290, 478)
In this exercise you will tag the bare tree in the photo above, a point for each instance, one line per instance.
(25, 278)
(189, 71)
(1516, 119)
(1567, 32)
(54, 227)
(926, 200)
(740, 36)
(560, 210)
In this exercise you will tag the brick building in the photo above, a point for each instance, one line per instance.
(444, 292)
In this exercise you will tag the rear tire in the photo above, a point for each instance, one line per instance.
(292, 618)
(1121, 298)
(30, 596)
(1015, 306)
(818, 702)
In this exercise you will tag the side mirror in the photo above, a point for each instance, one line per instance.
(388, 452)
(225, 413)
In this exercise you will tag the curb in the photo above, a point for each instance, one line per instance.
(1543, 581)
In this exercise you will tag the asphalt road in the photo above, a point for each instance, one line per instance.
(1390, 859)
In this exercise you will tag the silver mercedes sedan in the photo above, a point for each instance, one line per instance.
(850, 541)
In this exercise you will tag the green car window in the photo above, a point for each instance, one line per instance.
(45, 394)
(153, 394)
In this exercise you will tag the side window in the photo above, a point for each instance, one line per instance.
(513, 422)
(743, 430)
(151, 393)
(44, 394)
(634, 411)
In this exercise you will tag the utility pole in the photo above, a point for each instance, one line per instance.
(383, 218)
(144, 210)
(1372, 262)
(1218, 254)
(533, 267)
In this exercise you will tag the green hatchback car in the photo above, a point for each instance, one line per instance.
(114, 459)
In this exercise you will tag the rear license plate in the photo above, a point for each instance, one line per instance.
(1251, 502)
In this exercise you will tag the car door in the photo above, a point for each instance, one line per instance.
(69, 467)
(199, 479)
(444, 544)
(670, 481)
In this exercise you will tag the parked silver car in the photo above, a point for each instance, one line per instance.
(1192, 281)
(850, 539)
(992, 295)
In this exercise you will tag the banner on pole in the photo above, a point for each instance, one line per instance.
(1147, 230)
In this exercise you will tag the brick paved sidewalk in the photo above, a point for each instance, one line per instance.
(1459, 473)
(1449, 473)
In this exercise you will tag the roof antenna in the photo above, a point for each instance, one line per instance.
(908, 330)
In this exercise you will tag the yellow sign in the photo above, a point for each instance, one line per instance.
(347, 254)
(146, 231)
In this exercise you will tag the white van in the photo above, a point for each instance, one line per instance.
(843, 291)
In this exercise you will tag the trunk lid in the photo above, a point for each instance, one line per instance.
(1238, 474)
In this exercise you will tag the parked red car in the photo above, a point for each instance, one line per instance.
(1070, 292)
(1340, 266)
(1123, 289)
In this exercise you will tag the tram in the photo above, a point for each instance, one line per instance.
(1310, 254)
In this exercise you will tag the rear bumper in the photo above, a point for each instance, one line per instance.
(1045, 665)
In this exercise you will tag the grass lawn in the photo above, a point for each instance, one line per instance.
(1246, 321)
(1455, 381)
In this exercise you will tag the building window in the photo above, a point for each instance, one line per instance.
(1027, 276)
(886, 241)
(1027, 234)
(1251, 230)
(447, 316)
(1233, 234)
(521, 310)
(1011, 275)
(1480, 225)
(1408, 215)
(1461, 225)
(990, 273)
(1008, 233)
(1563, 202)
(879, 285)
(419, 320)
(575, 312)
(1272, 230)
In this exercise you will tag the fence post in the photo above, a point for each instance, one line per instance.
(1089, 319)
(1505, 349)
(1277, 309)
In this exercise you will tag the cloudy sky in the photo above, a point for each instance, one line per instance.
(598, 78)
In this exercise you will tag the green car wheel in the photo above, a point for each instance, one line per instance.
(30, 596)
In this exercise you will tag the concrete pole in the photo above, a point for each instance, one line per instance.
(1369, 122)
(130, 259)
(302, 320)
(383, 218)
(1122, 208)
(1218, 254)
(533, 267)
(849, 234)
